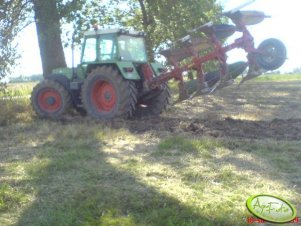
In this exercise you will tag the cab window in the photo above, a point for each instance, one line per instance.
(132, 48)
(107, 48)
(90, 50)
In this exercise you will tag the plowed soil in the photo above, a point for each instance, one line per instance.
(283, 129)
(257, 110)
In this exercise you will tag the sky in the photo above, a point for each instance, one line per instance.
(284, 24)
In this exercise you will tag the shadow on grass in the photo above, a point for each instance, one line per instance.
(272, 160)
(280, 156)
(75, 184)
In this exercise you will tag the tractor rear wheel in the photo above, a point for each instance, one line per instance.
(105, 94)
(153, 103)
(50, 99)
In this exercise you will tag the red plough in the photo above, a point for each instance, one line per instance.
(269, 55)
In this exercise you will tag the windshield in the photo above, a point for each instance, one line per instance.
(131, 48)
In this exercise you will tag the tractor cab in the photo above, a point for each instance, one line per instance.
(113, 45)
(124, 50)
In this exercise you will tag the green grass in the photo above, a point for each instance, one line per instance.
(10, 197)
(74, 183)
(15, 111)
(87, 174)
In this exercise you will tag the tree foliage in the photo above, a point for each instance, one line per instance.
(165, 21)
(12, 20)
(82, 15)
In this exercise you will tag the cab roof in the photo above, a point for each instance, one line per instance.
(114, 31)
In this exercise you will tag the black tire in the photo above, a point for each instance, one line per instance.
(105, 94)
(153, 103)
(50, 99)
(80, 111)
(272, 54)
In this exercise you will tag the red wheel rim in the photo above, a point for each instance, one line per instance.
(49, 100)
(103, 96)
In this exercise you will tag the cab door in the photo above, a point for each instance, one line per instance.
(107, 48)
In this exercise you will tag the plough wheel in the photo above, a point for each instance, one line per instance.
(272, 54)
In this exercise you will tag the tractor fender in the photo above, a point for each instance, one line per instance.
(60, 78)
(127, 70)
(65, 82)
(158, 68)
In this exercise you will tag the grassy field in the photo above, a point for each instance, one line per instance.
(190, 167)
(279, 77)
(17, 89)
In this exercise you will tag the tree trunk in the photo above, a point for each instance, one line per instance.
(49, 35)
(147, 21)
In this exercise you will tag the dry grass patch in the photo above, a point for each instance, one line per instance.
(17, 89)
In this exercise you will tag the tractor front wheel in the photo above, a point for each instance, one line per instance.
(105, 94)
(50, 99)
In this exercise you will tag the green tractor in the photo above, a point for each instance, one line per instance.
(110, 81)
